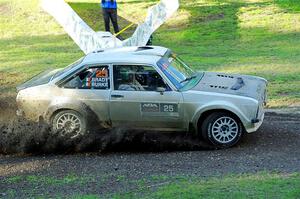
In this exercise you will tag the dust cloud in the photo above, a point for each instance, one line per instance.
(19, 136)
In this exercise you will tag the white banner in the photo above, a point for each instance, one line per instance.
(88, 40)
(156, 16)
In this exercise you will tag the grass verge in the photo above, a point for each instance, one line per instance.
(258, 185)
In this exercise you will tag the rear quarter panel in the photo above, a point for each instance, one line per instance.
(34, 101)
(92, 104)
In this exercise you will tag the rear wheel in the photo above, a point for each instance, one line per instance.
(69, 124)
(222, 129)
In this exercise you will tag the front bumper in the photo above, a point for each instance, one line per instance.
(255, 126)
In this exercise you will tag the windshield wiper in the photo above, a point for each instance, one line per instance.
(189, 78)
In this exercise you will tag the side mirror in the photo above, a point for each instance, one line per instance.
(161, 90)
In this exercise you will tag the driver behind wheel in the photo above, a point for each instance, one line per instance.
(129, 80)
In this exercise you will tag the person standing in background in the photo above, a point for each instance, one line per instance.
(109, 9)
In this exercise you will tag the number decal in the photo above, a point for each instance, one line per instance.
(156, 107)
(168, 108)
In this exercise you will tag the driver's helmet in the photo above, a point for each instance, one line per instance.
(126, 74)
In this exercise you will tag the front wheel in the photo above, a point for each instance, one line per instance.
(69, 124)
(221, 129)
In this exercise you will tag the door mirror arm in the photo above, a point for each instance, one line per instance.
(161, 90)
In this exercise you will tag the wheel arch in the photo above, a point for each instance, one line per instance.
(202, 113)
(208, 112)
(79, 107)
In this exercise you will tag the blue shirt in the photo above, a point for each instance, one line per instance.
(109, 4)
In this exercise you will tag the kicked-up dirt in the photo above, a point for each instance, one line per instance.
(19, 136)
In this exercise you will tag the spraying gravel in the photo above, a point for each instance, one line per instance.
(21, 136)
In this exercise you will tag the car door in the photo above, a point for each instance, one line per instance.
(141, 99)
(90, 86)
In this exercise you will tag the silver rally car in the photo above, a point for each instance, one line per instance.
(146, 88)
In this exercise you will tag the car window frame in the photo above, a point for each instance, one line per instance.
(86, 67)
(166, 80)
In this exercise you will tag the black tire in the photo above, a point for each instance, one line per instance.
(75, 125)
(222, 129)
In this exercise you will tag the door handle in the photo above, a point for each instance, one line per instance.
(117, 96)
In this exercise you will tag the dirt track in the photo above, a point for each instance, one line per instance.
(275, 147)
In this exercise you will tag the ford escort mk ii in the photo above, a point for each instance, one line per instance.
(144, 88)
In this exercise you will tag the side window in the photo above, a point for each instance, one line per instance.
(137, 78)
(91, 78)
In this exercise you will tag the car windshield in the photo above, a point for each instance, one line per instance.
(178, 72)
(71, 66)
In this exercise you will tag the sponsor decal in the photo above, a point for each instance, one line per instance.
(88, 82)
(159, 107)
(102, 73)
(98, 80)
(150, 107)
(99, 83)
(165, 66)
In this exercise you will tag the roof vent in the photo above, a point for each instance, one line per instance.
(98, 51)
(143, 48)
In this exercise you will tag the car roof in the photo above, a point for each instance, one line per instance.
(124, 55)
(142, 54)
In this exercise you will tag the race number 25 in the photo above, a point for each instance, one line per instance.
(169, 108)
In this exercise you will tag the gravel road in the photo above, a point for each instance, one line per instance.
(274, 148)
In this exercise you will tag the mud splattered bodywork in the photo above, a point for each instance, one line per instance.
(144, 88)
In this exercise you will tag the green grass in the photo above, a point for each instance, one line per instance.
(256, 37)
(258, 185)
(48, 180)
(262, 185)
